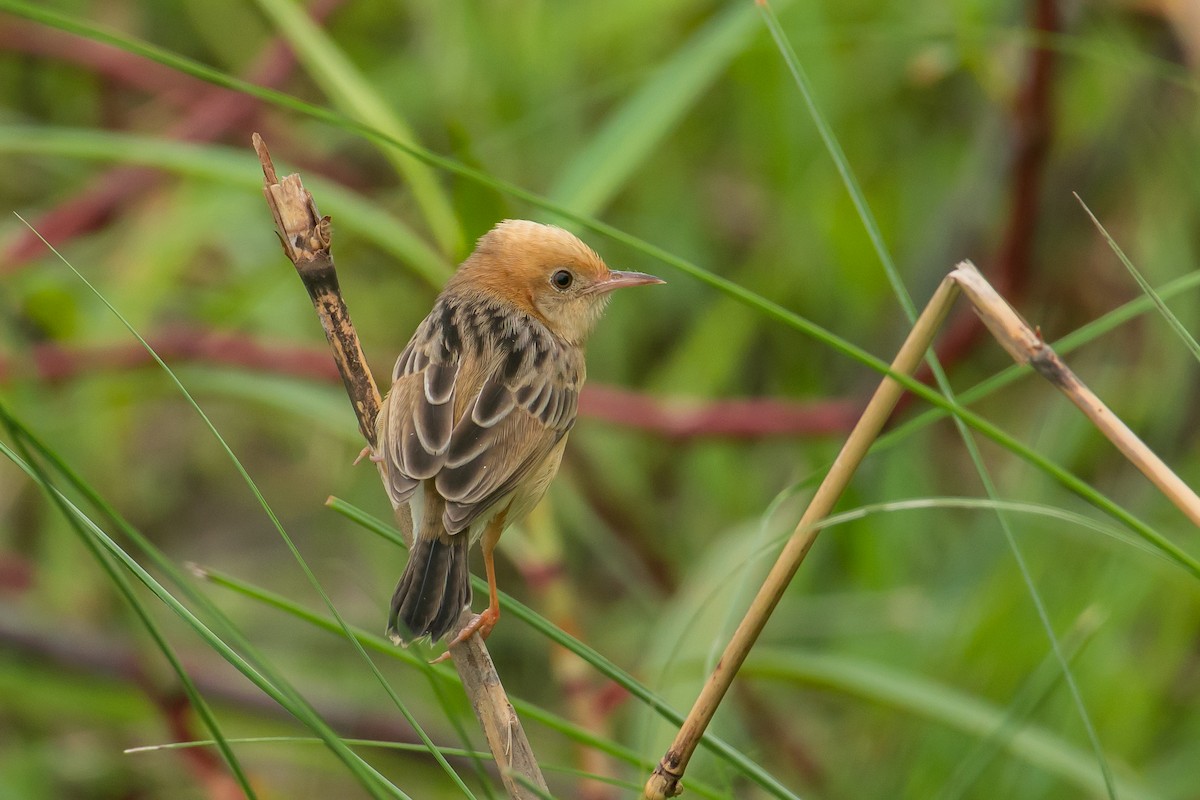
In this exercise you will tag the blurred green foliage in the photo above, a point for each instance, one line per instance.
(907, 660)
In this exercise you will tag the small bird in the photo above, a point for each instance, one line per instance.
(482, 399)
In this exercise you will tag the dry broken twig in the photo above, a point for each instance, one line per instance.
(305, 235)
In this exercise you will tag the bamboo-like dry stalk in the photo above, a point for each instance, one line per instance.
(665, 781)
(1026, 346)
(306, 240)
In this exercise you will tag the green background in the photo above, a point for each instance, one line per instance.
(908, 658)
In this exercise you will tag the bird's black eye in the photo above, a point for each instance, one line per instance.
(562, 279)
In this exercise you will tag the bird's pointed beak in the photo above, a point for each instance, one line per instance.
(618, 280)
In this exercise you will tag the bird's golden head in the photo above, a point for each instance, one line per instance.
(545, 271)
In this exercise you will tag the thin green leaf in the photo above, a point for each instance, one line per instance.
(404, 747)
(940, 703)
(630, 135)
(287, 540)
(349, 90)
(271, 685)
(350, 211)
(1033, 692)
(29, 465)
(1147, 289)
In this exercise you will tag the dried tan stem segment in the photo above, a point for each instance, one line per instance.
(506, 738)
(305, 237)
(1025, 345)
(666, 779)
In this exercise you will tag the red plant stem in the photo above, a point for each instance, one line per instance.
(102, 60)
(734, 419)
(210, 112)
(103, 658)
(1012, 264)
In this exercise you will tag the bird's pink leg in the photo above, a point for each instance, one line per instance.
(367, 451)
(484, 622)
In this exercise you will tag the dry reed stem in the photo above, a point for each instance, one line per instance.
(1026, 346)
(665, 781)
(305, 236)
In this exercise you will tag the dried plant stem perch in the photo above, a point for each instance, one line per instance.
(305, 236)
(1026, 346)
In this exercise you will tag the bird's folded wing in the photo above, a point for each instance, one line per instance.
(476, 424)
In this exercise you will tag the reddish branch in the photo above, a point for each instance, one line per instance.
(104, 60)
(210, 112)
(54, 363)
(1012, 264)
(740, 419)
(206, 766)
(109, 659)
(772, 724)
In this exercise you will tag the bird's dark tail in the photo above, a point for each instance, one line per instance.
(434, 589)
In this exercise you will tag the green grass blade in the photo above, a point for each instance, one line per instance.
(403, 747)
(942, 704)
(631, 134)
(274, 519)
(271, 685)
(350, 91)
(838, 156)
(29, 465)
(1034, 690)
(350, 211)
(985, 504)
(1146, 288)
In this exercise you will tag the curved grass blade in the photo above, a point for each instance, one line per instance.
(1146, 288)
(273, 686)
(404, 747)
(1032, 693)
(399, 746)
(941, 704)
(348, 89)
(350, 210)
(254, 490)
(26, 462)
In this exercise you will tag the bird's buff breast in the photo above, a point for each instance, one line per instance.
(526, 496)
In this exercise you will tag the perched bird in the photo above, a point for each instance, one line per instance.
(482, 399)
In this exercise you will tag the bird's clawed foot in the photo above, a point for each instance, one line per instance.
(480, 623)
